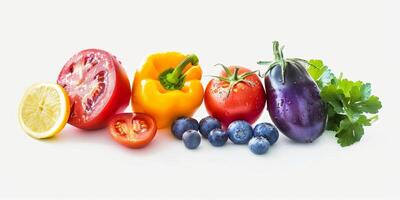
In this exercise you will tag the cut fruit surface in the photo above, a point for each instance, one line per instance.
(44, 110)
(134, 130)
(98, 88)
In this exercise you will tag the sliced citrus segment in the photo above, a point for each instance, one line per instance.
(44, 110)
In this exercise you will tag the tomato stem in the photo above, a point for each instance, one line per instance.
(235, 74)
(227, 71)
(234, 78)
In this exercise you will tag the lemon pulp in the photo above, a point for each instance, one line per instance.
(44, 110)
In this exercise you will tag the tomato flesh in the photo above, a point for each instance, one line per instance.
(97, 86)
(134, 130)
(244, 102)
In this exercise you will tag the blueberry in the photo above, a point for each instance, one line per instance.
(240, 132)
(267, 131)
(259, 145)
(191, 139)
(208, 124)
(183, 124)
(218, 137)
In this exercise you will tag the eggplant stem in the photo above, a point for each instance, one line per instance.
(264, 62)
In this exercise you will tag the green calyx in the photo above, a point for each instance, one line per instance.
(280, 60)
(173, 78)
(234, 78)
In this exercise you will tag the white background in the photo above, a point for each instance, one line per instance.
(358, 38)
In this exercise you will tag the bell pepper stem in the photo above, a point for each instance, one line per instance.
(173, 77)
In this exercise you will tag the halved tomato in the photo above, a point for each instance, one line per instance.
(98, 88)
(134, 130)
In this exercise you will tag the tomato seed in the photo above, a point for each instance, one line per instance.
(88, 59)
(120, 127)
(71, 69)
(100, 76)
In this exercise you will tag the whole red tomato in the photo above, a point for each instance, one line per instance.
(237, 94)
(97, 86)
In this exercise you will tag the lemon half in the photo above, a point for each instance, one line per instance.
(44, 110)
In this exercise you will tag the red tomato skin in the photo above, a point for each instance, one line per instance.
(245, 101)
(117, 103)
(139, 143)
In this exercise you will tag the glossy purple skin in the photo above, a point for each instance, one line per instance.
(295, 106)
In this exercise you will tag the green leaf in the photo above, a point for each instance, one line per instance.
(372, 105)
(316, 69)
(334, 122)
(321, 74)
(351, 132)
(355, 94)
(333, 97)
(366, 91)
(349, 103)
(346, 86)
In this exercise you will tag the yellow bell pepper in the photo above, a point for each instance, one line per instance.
(168, 86)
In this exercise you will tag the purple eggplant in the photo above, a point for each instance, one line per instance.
(293, 99)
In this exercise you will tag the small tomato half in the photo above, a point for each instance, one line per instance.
(133, 130)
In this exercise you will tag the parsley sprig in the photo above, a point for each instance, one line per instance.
(351, 106)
